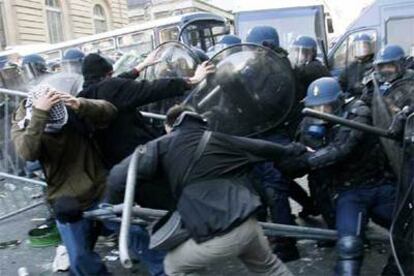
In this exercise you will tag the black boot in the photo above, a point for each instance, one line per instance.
(286, 250)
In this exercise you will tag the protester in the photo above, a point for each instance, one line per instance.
(54, 128)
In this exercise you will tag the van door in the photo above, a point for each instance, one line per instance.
(342, 55)
(399, 25)
(289, 22)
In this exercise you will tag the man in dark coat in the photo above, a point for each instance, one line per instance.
(128, 130)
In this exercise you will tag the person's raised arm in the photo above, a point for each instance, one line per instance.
(138, 93)
(27, 134)
(97, 112)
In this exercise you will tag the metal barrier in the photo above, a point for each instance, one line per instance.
(127, 210)
(9, 161)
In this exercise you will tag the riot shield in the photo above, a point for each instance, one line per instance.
(402, 228)
(127, 62)
(401, 157)
(65, 82)
(174, 60)
(252, 90)
(384, 107)
(12, 78)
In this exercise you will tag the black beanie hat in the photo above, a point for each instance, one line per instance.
(95, 66)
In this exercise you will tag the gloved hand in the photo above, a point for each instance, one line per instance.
(296, 149)
(398, 123)
(67, 209)
(295, 164)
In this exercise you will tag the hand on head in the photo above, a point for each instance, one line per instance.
(52, 97)
(47, 100)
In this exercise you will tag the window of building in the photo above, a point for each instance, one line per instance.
(99, 19)
(3, 42)
(54, 20)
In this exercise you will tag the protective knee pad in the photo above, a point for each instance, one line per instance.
(350, 248)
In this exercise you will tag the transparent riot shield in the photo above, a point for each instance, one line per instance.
(402, 229)
(12, 77)
(127, 62)
(252, 90)
(384, 107)
(401, 157)
(174, 60)
(66, 82)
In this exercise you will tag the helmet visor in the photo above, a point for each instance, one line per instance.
(324, 108)
(362, 49)
(301, 55)
(387, 72)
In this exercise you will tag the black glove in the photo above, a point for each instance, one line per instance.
(296, 149)
(67, 209)
(398, 123)
(296, 163)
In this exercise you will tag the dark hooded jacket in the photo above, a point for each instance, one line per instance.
(217, 195)
(129, 129)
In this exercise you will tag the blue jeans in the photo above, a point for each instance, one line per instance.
(355, 206)
(79, 239)
(138, 245)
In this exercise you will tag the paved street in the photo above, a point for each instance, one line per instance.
(314, 261)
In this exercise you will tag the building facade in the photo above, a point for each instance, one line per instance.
(143, 10)
(52, 21)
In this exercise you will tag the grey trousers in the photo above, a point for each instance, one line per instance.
(247, 242)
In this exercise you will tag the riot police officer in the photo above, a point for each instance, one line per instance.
(307, 67)
(72, 61)
(35, 69)
(362, 180)
(351, 78)
(390, 67)
(224, 42)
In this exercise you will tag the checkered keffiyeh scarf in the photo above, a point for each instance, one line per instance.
(58, 114)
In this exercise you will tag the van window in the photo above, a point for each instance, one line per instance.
(400, 31)
(204, 34)
(169, 34)
(344, 54)
(103, 46)
(140, 42)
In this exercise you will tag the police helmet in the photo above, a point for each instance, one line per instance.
(34, 65)
(323, 91)
(303, 50)
(229, 40)
(202, 56)
(224, 42)
(73, 55)
(363, 46)
(263, 35)
(390, 55)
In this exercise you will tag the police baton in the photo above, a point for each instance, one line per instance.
(349, 123)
